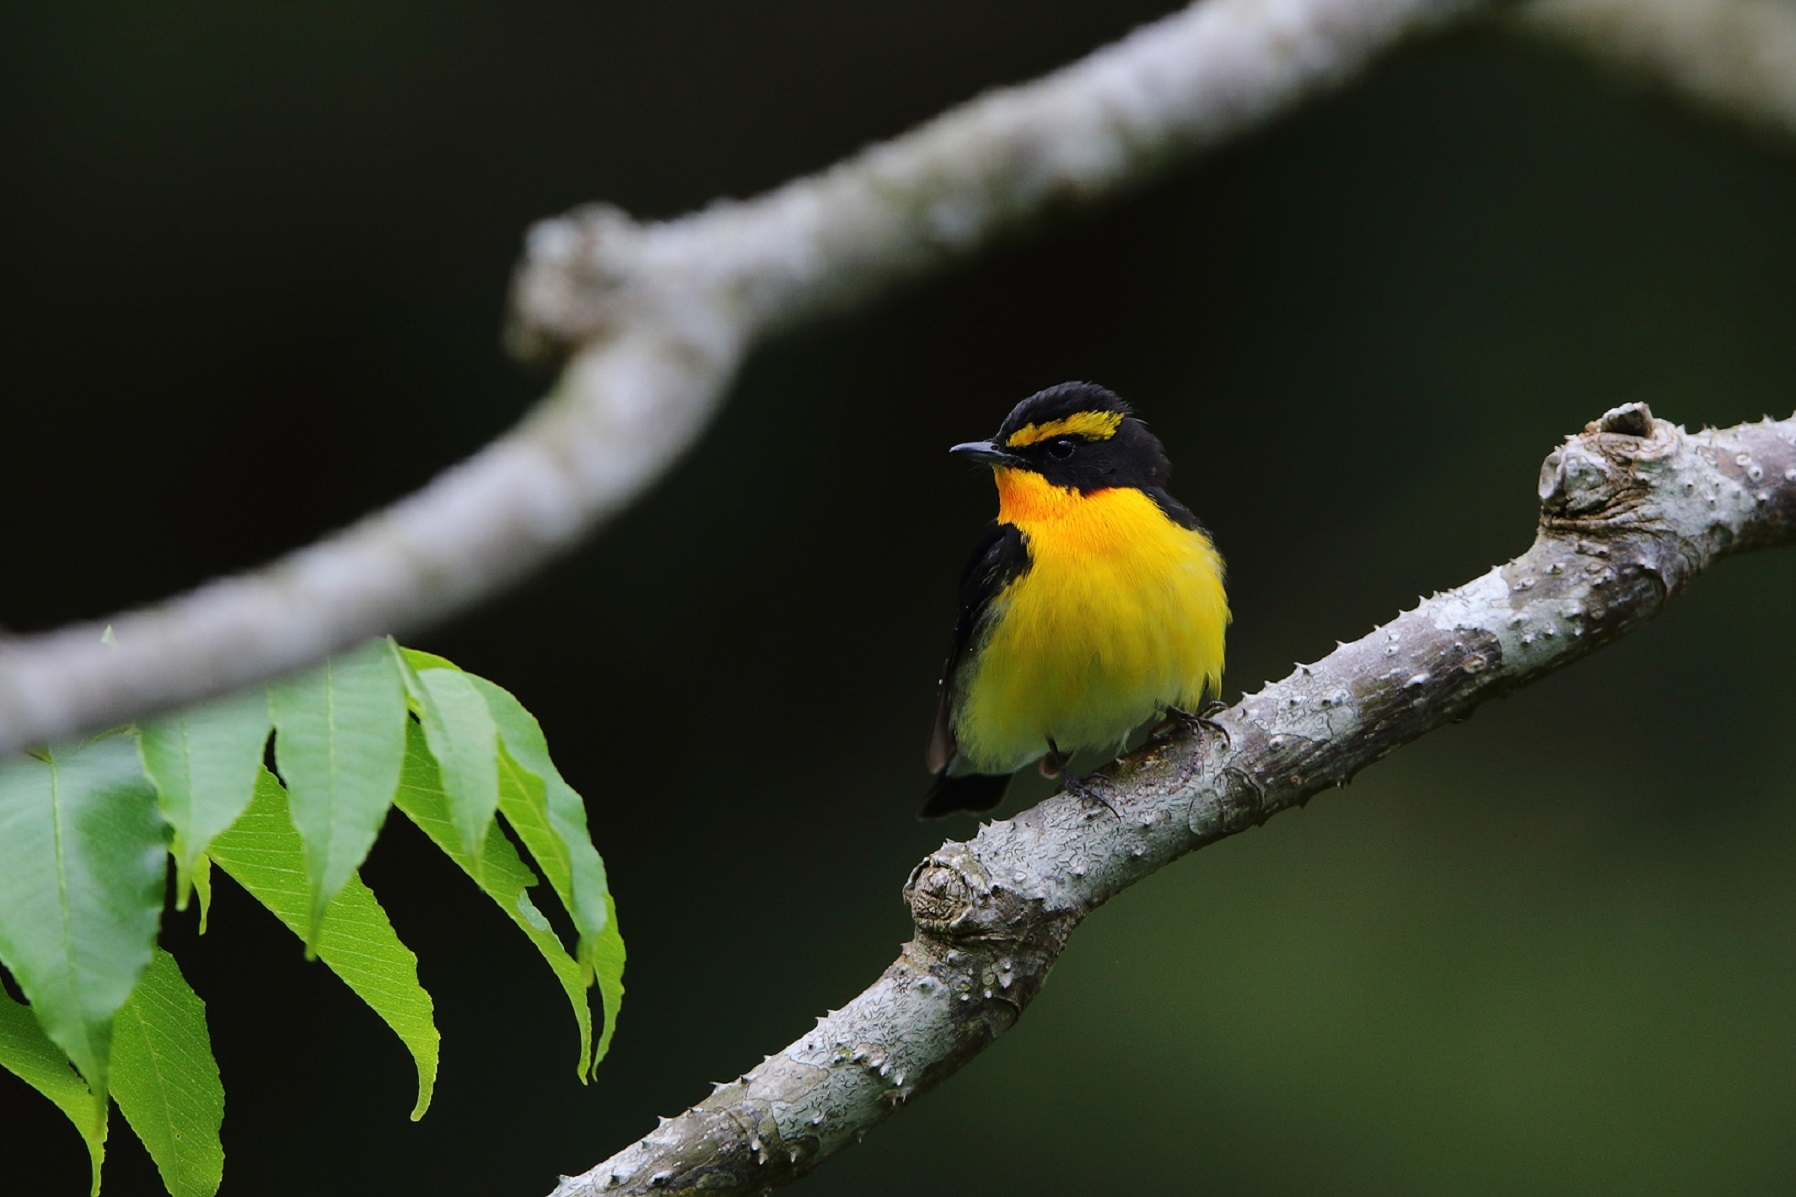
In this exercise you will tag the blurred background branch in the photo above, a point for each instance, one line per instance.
(1738, 56)
(657, 318)
(254, 265)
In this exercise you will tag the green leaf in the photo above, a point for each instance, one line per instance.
(548, 815)
(166, 1082)
(501, 875)
(608, 964)
(417, 658)
(263, 853)
(465, 742)
(339, 742)
(202, 887)
(81, 879)
(550, 818)
(27, 1053)
(203, 760)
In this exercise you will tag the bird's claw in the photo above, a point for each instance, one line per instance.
(1195, 722)
(1082, 789)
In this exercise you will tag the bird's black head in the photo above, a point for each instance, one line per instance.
(1076, 435)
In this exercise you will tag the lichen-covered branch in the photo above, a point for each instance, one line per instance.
(652, 321)
(1631, 511)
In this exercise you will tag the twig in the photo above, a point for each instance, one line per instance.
(654, 320)
(1631, 511)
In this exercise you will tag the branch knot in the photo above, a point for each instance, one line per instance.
(944, 891)
(1599, 480)
(575, 282)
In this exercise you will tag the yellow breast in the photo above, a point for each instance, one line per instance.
(1120, 615)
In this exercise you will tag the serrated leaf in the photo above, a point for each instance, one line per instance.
(464, 740)
(548, 815)
(608, 967)
(27, 1053)
(81, 879)
(166, 1082)
(550, 818)
(263, 853)
(339, 743)
(601, 954)
(204, 760)
(502, 876)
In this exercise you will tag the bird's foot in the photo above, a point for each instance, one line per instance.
(1082, 789)
(1196, 722)
(1054, 762)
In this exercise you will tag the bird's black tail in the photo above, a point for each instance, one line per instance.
(969, 791)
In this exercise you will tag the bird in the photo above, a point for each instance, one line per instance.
(1092, 604)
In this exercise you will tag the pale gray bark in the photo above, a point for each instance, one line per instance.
(1738, 56)
(654, 320)
(1632, 510)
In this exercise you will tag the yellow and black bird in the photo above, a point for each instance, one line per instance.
(1093, 603)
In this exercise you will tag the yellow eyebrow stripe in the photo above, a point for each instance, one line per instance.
(1092, 425)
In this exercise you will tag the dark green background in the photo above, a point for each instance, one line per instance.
(252, 266)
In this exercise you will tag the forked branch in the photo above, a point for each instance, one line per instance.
(1632, 510)
(652, 320)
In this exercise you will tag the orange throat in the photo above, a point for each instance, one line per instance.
(1025, 497)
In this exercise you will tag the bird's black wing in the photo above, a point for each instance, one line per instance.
(1172, 509)
(969, 791)
(1001, 556)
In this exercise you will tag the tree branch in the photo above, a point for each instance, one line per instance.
(1631, 511)
(654, 320)
(1738, 56)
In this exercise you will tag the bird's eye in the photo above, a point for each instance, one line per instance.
(1061, 447)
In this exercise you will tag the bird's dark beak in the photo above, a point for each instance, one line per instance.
(987, 453)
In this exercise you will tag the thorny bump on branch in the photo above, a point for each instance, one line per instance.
(1632, 509)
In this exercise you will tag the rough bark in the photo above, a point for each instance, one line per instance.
(1632, 510)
